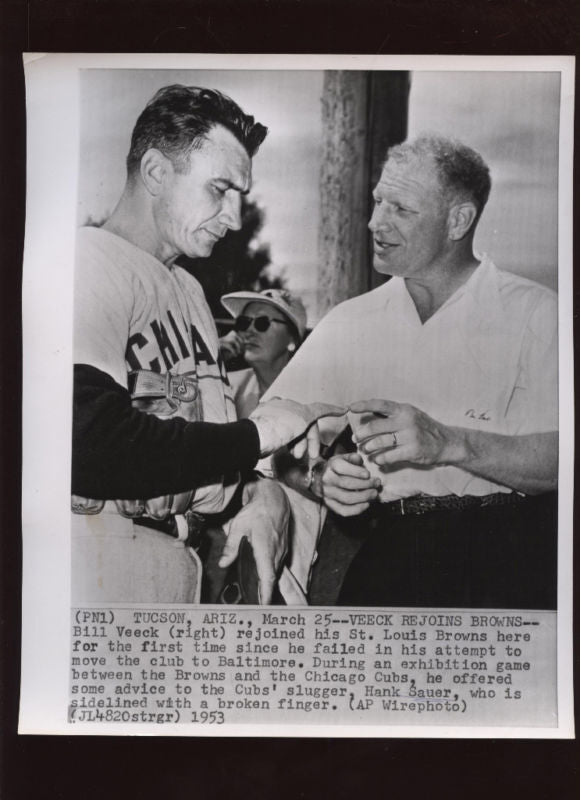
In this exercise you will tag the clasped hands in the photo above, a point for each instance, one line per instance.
(389, 434)
(386, 432)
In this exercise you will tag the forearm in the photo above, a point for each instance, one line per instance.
(119, 452)
(527, 464)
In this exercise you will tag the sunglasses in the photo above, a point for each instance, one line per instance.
(261, 324)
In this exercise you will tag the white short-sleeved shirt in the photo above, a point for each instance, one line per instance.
(486, 360)
(132, 312)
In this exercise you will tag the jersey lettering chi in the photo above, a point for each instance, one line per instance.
(166, 344)
(134, 313)
(136, 318)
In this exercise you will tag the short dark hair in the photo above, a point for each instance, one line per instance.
(461, 169)
(178, 118)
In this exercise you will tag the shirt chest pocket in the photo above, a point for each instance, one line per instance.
(471, 394)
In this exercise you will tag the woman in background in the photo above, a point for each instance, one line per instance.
(269, 327)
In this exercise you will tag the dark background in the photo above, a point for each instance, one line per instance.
(93, 767)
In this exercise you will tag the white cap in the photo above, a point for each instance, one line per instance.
(289, 304)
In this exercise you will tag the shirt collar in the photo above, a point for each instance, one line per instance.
(476, 310)
(479, 294)
(483, 298)
(489, 329)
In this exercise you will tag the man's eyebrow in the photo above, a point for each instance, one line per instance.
(399, 194)
(232, 185)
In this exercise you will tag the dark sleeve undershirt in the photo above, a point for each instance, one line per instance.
(120, 452)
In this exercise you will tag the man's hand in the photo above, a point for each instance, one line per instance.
(397, 433)
(264, 522)
(392, 433)
(281, 422)
(346, 486)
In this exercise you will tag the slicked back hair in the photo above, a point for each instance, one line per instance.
(178, 118)
(461, 170)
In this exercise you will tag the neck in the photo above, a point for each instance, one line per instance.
(266, 373)
(431, 292)
(132, 219)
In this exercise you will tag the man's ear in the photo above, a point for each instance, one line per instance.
(154, 170)
(461, 219)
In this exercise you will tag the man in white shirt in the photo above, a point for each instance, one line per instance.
(457, 362)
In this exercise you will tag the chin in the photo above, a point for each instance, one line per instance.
(201, 252)
(382, 268)
(199, 248)
(389, 268)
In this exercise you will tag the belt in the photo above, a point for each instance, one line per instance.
(427, 504)
(187, 528)
(191, 526)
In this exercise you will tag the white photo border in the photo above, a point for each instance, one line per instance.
(51, 213)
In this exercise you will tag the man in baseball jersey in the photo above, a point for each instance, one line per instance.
(157, 450)
(450, 374)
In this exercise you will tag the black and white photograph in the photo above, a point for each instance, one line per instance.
(314, 349)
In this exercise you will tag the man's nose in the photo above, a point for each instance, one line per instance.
(231, 213)
(380, 218)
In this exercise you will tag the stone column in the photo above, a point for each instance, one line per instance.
(343, 248)
(363, 113)
(388, 116)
